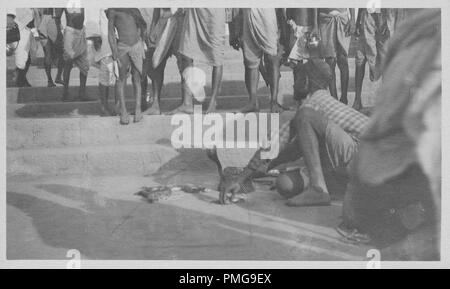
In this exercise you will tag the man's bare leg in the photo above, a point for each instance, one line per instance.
(120, 88)
(104, 94)
(311, 127)
(342, 62)
(66, 75)
(48, 63)
(251, 82)
(359, 78)
(157, 77)
(275, 63)
(187, 106)
(82, 90)
(136, 78)
(60, 65)
(144, 81)
(332, 63)
(217, 74)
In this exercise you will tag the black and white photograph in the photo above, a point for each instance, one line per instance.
(226, 132)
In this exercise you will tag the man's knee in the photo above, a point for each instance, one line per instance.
(252, 63)
(273, 59)
(342, 60)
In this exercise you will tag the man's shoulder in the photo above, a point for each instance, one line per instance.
(319, 96)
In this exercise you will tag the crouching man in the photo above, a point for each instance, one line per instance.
(326, 134)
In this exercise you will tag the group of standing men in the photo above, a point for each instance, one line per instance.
(140, 41)
(61, 47)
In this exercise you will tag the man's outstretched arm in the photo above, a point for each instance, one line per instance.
(258, 165)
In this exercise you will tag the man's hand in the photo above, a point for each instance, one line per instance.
(229, 189)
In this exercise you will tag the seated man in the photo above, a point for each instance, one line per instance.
(326, 133)
(128, 52)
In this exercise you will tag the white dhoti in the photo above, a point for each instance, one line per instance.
(23, 48)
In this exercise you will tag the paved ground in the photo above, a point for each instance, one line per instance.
(100, 216)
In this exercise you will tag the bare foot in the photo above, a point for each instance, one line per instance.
(124, 118)
(310, 197)
(182, 109)
(277, 108)
(357, 105)
(116, 110)
(251, 107)
(153, 110)
(138, 115)
(344, 100)
(104, 111)
(212, 107)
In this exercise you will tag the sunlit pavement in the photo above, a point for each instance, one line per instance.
(103, 219)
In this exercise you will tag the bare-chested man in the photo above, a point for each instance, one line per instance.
(75, 49)
(128, 50)
(336, 25)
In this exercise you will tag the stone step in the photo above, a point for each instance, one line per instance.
(29, 133)
(138, 160)
(92, 108)
(232, 86)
